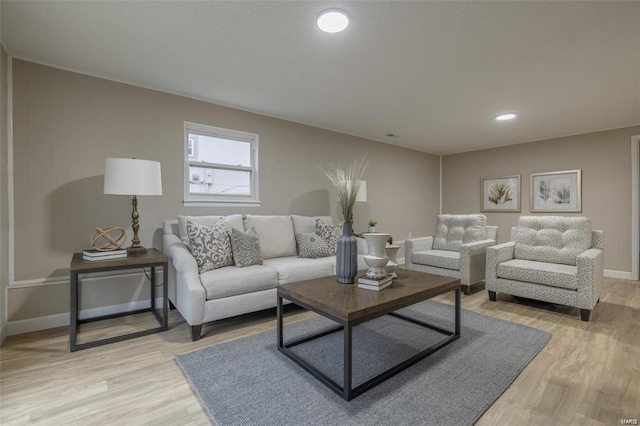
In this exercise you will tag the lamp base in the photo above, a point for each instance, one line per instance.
(136, 250)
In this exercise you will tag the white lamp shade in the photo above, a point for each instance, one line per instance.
(362, 192)
(131, 176)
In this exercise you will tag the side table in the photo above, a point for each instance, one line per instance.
(152, 259)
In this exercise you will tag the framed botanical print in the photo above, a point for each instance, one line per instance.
(556, 192)
(500, 194)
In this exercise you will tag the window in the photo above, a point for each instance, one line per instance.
(221, 166)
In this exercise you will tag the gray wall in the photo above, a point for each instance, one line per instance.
(603, 157)
(4, 205)
(66, 124)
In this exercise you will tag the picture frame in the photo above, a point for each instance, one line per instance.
(556, 192)
(500, 194)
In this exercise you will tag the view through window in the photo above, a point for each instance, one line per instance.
(220, 164)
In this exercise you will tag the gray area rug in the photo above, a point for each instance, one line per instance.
(248, 382)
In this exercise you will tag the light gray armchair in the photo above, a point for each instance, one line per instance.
(457, 249)
(555, 259)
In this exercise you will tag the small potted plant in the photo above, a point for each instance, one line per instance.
(372, 225)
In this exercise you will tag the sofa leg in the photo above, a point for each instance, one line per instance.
(195, 331)
(466, 289)
(584, 314)
(492, 295)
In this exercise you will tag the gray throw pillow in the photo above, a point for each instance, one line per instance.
(246, 247)
(329, 233)
(210, 245)
(310, 245)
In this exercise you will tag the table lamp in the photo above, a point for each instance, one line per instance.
(361, 197)
(131, 176)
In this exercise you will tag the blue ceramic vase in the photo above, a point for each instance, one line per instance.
(347, 256)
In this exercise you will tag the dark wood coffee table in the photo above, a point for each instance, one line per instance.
(349, 306)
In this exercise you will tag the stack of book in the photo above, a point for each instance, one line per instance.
(371, 284)
(93, 255)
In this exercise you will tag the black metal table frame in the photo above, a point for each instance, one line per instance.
(74, 308)
(347, 391)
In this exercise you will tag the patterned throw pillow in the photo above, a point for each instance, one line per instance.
(246, 247)
(310, 245)
(329, 233)
(210, 245)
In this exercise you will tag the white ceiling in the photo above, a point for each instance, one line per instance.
(434, 73)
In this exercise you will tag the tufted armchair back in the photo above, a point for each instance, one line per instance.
(454, 230)
(552, 239)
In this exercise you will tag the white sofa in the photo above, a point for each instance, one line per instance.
(230, 291)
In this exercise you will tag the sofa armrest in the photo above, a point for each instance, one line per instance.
(496, 254)
(190, 294)
(590, 264)
(476, 247)
(473, 261)
(414, 245)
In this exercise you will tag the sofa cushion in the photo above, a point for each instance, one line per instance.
(306, 224)
(276, 234)
(210, 245)
(294, 269)
(454, 230)
(231, 281)
(551, 274)
(554, 239)
(310, 245)
(439, 258)
(246, 248)
(330, 233)
(234, 221)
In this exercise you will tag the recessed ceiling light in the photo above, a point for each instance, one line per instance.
(333, 20)
(508, 116)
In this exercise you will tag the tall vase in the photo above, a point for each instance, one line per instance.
(377, 257)
(347, 256)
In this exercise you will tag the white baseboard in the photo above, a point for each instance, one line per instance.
(623, 275)
(62, 320)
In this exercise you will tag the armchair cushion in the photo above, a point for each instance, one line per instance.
(551, 274)
(439, 258)
(454, 230)
(552, 239)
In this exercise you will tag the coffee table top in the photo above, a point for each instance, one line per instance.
(349, 303)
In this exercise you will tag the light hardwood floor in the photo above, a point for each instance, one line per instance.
(588, 374)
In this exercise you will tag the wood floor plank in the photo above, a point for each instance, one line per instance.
(588, 374)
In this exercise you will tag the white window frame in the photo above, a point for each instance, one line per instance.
(213, 200)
